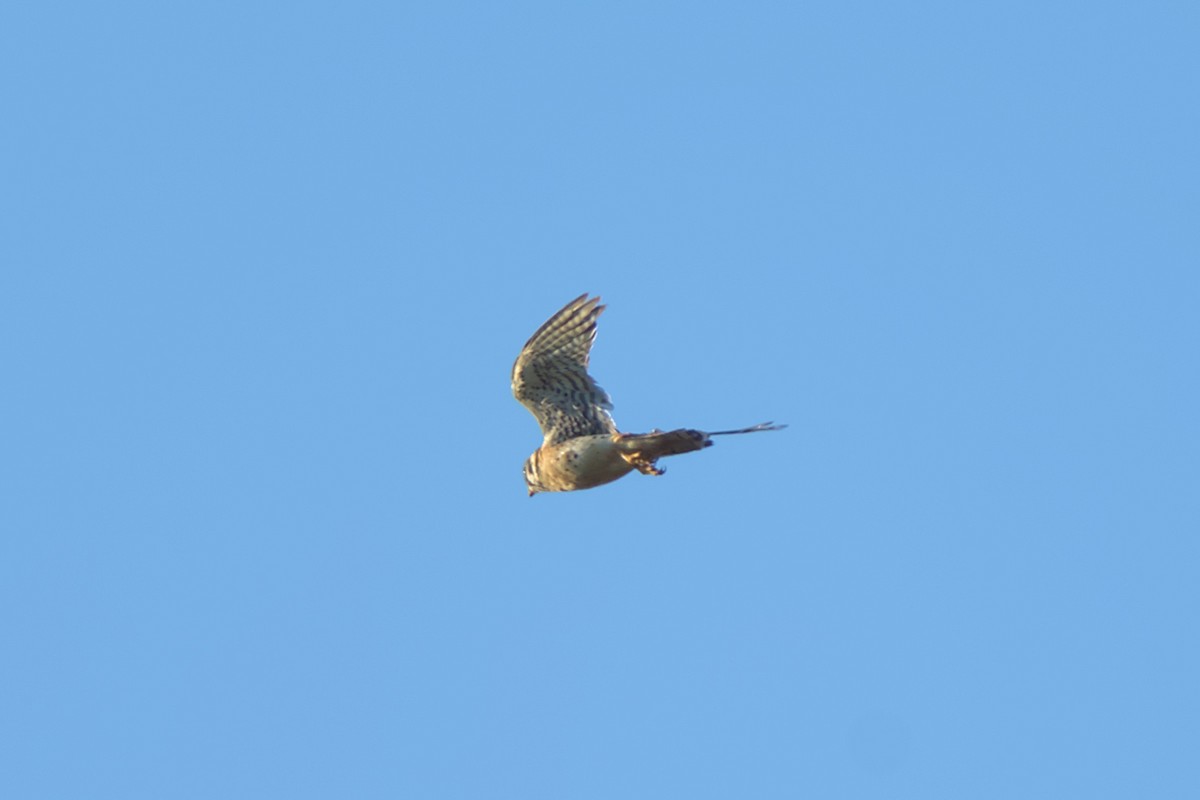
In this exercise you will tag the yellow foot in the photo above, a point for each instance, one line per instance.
(642, 465)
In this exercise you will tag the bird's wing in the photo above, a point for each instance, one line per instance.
(550, 377)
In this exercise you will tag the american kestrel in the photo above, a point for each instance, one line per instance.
(582, 446)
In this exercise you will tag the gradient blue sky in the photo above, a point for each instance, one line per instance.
(266, 267)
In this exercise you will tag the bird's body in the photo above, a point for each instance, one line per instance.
(579, 463)
(582, 447)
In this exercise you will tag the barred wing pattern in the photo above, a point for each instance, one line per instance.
(550, 376)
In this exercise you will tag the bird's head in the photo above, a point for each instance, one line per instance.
(532, 480)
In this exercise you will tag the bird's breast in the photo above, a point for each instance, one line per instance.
(582, 462)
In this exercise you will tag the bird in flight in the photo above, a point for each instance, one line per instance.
(582, 447)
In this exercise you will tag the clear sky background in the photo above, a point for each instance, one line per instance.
(266, 267)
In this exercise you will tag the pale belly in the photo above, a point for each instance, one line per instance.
(585, 462)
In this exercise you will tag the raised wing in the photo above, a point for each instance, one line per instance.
(550, 377)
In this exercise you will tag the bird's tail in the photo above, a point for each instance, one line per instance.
(643, 449)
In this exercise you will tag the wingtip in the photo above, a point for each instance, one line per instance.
(590, 304)
(762, 426)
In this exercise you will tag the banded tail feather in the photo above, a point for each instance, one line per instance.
(643, 449)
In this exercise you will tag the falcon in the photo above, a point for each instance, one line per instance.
(582, 447)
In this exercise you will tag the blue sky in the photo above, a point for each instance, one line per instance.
(266, 268)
